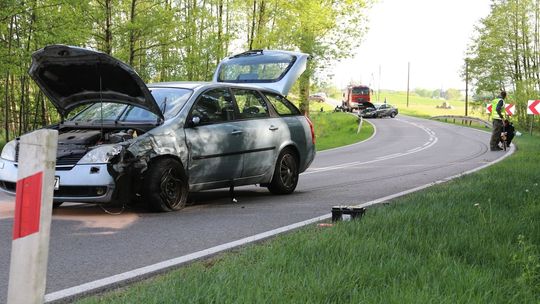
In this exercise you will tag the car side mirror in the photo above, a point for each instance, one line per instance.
(195, 121)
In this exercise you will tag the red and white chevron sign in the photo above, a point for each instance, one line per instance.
(510, 109)
(533, 107)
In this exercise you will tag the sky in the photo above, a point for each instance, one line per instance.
(432, 35)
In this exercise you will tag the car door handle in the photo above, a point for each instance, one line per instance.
(273, 128)
(237, 132)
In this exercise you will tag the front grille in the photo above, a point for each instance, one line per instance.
(64, 168)
(7, 186)
(69, 160)
(17, 152)
(80, 191)
(65, 191)
(65, 160)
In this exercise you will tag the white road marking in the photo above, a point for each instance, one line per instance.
(432, 140)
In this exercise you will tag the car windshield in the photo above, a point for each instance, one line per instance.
(361, 91)
(170, 101)
(253, 67)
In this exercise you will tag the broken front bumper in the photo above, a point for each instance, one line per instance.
(79, 183)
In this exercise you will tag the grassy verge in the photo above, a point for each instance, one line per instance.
(338, 129)
(427, 107)
(472, 240)
(334, 129)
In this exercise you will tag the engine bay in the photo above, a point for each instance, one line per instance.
(80, 141)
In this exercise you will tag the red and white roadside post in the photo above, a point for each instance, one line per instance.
(32, 221)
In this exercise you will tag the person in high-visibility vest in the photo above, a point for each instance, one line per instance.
(497, 106)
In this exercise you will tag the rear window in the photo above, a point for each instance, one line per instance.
(253, 67)
(282, 105)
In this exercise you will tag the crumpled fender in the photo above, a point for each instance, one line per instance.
(138, 152)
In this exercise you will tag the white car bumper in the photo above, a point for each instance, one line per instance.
(79, 183)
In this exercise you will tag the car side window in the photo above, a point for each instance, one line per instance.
(250, 104)
(214, 106)
(282, 105)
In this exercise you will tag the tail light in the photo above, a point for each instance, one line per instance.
(311, 129)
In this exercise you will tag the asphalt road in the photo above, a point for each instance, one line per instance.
(89, 244)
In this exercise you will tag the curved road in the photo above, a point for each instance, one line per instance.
(87, 244)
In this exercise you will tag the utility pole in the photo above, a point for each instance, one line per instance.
(379, 89)
(466, 86)
(408, 80)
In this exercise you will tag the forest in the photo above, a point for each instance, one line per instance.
(505, 54)
(170, 40)
(166, 40)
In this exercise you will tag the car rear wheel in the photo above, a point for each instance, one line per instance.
(286, 173)
(165, 186)
(393, 114)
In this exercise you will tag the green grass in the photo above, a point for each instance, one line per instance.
(317, 106)
(427, 107)
(334, 129)
(472, 240)
(338, 129)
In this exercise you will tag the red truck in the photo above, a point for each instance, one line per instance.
(356, 98)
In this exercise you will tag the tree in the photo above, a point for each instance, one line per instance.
(453, 94)
(423, 92)
(25, 27)
(166, 40)
(327, 30)
(505, 55)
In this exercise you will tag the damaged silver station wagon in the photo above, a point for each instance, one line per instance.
(120, 139)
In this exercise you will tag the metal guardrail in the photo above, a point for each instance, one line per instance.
(464, 120)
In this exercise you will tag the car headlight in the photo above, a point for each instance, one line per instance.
(10, 150)
(101, 154)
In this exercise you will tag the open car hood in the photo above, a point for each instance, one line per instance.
(366, 105)
(275, 70)
(72, 76)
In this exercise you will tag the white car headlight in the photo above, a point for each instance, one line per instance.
(9, 151)
(101, 154)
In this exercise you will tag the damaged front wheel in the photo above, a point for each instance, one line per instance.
(165, 186)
